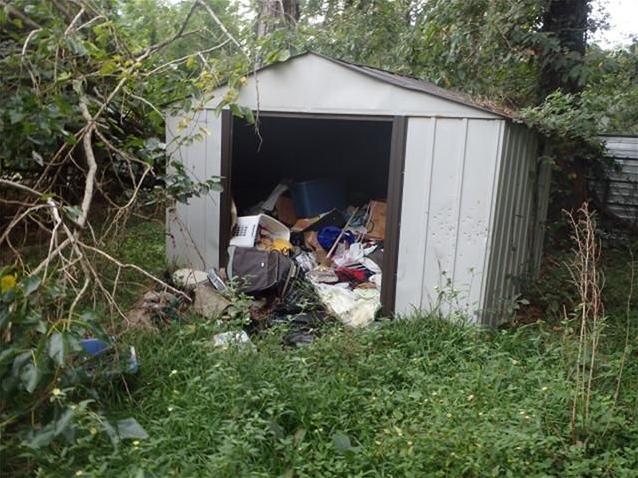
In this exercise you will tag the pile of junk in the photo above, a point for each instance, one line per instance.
(305, 257)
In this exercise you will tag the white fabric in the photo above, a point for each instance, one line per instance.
(354, 308)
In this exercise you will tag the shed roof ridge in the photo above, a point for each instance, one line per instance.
(418, 85)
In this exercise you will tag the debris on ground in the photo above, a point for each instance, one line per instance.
(100, 358)
(153, 309)
(233, 337)
(188, 279)
(208, 302)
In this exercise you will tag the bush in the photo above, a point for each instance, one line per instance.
(49, 396)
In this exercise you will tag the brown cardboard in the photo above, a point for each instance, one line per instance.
(376, 220)
(286, 210)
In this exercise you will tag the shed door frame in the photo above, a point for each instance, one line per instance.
(394, 191)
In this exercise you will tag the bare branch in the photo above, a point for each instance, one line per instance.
(90, 159)
(222, 26)
(14, 12)
(22, 187)
(71, 28)
(136, 268)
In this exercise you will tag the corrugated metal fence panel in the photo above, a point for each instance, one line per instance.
(450, 167)
(193, 228)
(521, 205)
(620, 191)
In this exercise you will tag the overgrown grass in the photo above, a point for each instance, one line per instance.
(409, 398)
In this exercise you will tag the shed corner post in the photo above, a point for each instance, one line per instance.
(393, 219)
(226, 198)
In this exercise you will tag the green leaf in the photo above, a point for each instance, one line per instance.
(283, 55)
(56, 348)
(108, 67)
(130, 428)
(6, 355)
(30, 376)
(15, 116)
(42, 437)
(299, 436)
(30, 284)
(247, 113)
(62, 423)
(341, 442)
(111, 432)
(37, 157)
(73, 212)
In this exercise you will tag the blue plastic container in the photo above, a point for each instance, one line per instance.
(317, 196)
(94, 347)
(328, 235)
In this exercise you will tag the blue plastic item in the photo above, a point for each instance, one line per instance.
(328, 235)
(93, 347)
(98, 349)
(316, 196)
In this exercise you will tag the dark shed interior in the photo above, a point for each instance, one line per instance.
(299, 149)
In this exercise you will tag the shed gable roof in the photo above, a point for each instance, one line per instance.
(311, 82)
(414, 84)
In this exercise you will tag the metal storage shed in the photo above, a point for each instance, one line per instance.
(467, 195)
(619, 191)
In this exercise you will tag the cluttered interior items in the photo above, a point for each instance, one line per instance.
(308, 235)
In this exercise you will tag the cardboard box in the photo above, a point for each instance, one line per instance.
(286, 210)
(376, 220)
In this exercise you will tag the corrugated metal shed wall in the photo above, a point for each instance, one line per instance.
(620, 191)
(447, 208)
(193, 229)
(521, 207)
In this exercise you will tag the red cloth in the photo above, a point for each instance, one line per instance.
(347, 274)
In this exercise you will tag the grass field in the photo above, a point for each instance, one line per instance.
(418, 397)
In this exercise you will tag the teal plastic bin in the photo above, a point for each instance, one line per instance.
(317, 196)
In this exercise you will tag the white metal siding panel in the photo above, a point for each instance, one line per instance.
(415, 207)
(443, 214)
(521, 205)
(482, 145)
(193, 228)
(446, 210)
(317, 85)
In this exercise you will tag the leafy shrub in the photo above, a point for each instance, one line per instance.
(49, 391)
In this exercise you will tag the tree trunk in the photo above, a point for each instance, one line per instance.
(566, 21)
(274, 14)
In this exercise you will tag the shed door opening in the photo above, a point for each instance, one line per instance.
(296, 149)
